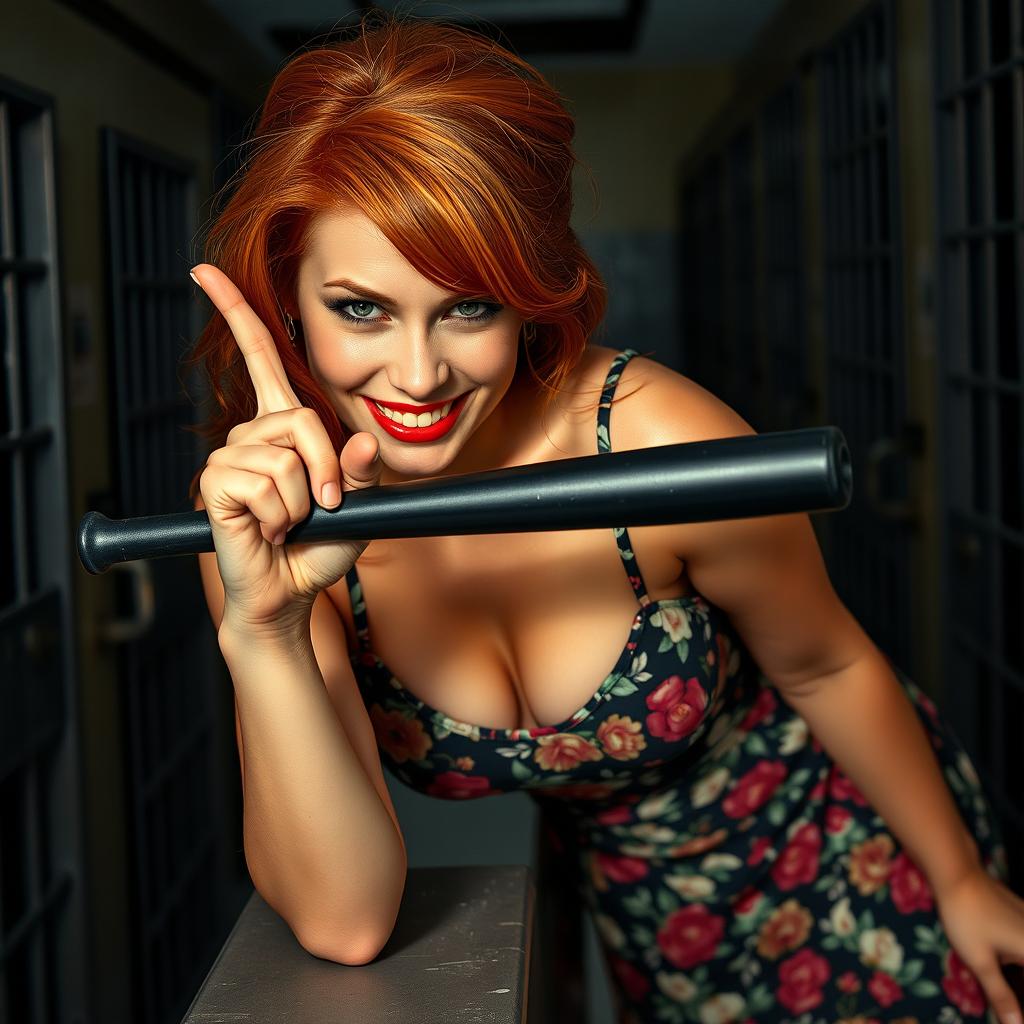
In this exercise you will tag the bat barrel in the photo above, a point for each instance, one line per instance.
(726, 478)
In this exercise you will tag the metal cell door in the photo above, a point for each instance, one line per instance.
(979, 81)
(172, 714)
(869, 551)
(42, 951)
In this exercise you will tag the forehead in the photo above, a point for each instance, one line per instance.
(336, 232)
(347, 244)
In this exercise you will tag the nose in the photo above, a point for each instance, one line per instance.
(419, 368)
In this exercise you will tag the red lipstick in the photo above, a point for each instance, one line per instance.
(415, 434)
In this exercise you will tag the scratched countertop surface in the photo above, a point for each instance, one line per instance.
(459, 952)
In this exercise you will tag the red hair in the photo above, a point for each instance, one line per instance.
(458, 150)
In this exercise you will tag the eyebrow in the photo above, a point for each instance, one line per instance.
(344, 282)
(369, 293)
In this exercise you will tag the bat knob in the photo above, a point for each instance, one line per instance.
(94, 542)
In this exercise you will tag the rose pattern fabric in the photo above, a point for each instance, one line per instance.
(733, 872)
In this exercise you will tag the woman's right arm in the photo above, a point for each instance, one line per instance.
(322, 840)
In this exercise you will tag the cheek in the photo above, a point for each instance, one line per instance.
(491, 358)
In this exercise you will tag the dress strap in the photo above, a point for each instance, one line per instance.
(355, 596)
(604, 444)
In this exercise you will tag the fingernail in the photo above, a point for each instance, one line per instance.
(279, 539)
(330, 494)
(194, 278)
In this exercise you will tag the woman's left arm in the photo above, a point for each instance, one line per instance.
(768, 575)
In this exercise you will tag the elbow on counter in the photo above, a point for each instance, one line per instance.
(332, 940)
(332, 946)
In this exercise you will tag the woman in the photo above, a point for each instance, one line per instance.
(752, 796)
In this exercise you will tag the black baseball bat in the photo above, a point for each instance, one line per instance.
(727, 478)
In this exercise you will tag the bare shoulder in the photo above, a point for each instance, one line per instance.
(653, 405)
(656, 405)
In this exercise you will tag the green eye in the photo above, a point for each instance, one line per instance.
(470, 309)
(362, 310)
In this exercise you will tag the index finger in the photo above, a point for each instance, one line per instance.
(273, 390)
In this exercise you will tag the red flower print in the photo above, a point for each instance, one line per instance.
(763, 706)
(754, 788)
(620, 815)
(402, 738)
(621, 737)
(677, 708)
(818, 792)
(870, 863)
(836, 819)
(563, 751)
(884, 988)
(802, 977)
(455, 786)
(961, 986)
(797, 864)
(747, 900)
(908, 887)
(690, 936)
(632, 980)
(848, 982)
(841, 787)
(622, 869)
(760, 846)
(580, 791)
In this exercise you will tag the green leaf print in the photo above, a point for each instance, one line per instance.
(642, 937)
(666, 902)
(358, 604)
(924, 988)
(683, 649)
(776, 812)
(830, 942)
(520, 771)
(665, 644)
(602, 435)
(759, 1000)
(755, 745)
(866, 921)
(910, 972)
(639, 905)
(929, 940)
(623, 688)
(670, 1011)
(954, 780)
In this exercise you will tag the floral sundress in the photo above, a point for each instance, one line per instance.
(734, 873)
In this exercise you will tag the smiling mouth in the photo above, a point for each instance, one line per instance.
(417, 423)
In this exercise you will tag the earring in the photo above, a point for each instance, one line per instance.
(289, 325)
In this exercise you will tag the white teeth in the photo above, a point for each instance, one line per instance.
(411, 419)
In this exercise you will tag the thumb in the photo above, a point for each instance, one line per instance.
(361, 464)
